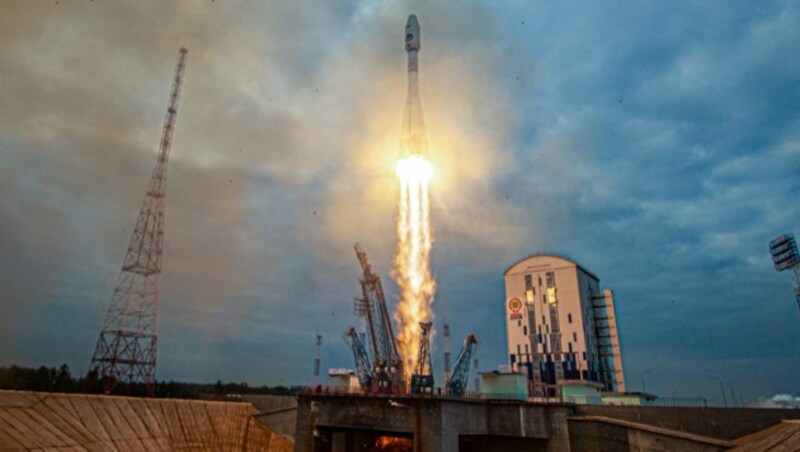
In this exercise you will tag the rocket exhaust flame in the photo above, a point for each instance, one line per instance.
(412, 261)
(414, 233)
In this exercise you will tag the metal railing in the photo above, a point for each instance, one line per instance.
(659, 402)
(439, 393)
(678, 401)
(583, 399)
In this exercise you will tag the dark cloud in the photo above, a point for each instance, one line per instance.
(684, 152)
(657, 145)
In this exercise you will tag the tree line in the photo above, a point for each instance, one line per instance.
(60, 379)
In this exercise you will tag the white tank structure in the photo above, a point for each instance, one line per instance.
(413, 139)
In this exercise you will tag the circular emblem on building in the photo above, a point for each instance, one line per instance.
(515, 305)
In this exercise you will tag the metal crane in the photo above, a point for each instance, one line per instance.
(460, 378)
(363, 371)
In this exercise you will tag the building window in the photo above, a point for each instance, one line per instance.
(584, 356)
(526, 349)
(543, 321)
(569, 318)
(525, 331)
(575, 336)
(519, 352)
(519, 322)
(528, 281)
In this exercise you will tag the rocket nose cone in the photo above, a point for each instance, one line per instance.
(412, 33)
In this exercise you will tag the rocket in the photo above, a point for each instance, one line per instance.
(413, 141)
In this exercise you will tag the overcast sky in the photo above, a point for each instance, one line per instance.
(657, 144)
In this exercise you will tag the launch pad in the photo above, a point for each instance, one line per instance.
(331, 422)
(424, 423)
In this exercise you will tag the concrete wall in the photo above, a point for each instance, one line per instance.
(279, 413)
(434, 424)
(593, 436)
(723, 423)
(481, 443)
(388, 415)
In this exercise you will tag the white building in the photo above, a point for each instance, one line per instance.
(561, 328)
(343, 380)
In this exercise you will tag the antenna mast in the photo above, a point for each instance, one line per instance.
(126, 349)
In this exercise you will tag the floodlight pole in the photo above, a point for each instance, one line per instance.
(796, 283)
(785, 257)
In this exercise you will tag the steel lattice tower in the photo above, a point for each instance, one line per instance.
(422, 378)
(317, 358)
(423, 366)
(446, 351)
(126, 350)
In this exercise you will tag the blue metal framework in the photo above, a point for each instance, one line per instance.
(460, 377)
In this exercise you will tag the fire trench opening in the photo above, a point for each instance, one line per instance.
(329, 440)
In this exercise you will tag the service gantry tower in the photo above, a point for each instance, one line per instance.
(126, 349)
(387, 363)
(422, 378)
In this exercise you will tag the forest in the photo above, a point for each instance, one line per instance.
(60, 379)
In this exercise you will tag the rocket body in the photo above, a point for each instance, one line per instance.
(412, 270)
(413, 140)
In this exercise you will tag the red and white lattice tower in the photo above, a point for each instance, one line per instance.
(317, 358)
(477, 376)
(126, 350)
(446, 351)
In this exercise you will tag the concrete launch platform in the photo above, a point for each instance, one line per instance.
(355, 422)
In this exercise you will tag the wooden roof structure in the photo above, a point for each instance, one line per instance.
(82, 422)
(783, 436)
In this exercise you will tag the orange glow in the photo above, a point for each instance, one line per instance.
(393, 444)
(412, 261)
